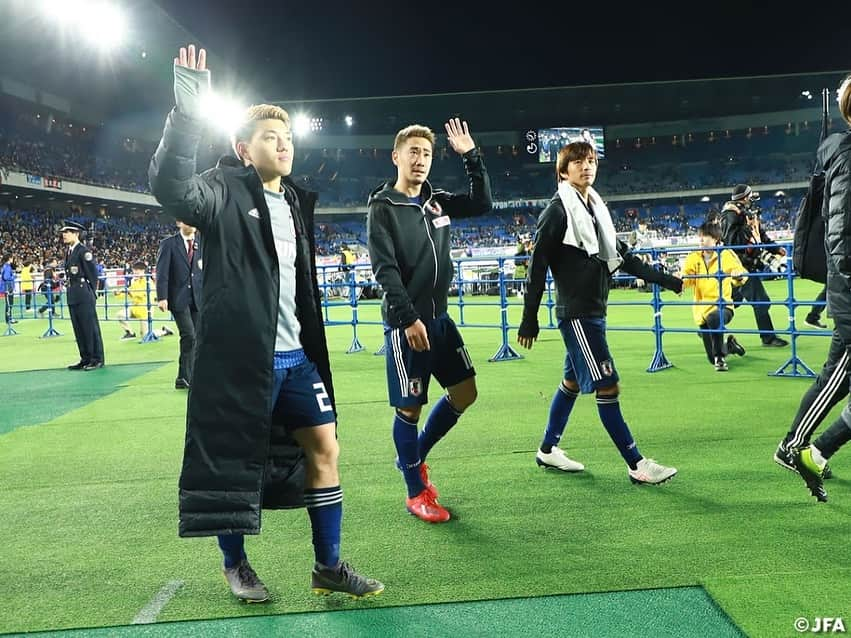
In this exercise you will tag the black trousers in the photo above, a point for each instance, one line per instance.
(829, 388)
(754, 290)
(185, 320)
(713, 342)
(84, 320)
(818, 308)
(10, 300)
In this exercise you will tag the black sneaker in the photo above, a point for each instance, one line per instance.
(734, 347)
(784, 458)
(720, 364)
(181, 384)
(93, 365)
(78, 366)
(810, 471)
(128, 335)
(245, 584)
(776, 342)
(814, 321)
(343, 578)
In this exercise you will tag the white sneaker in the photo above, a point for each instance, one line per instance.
(558, 460)
(650, 472)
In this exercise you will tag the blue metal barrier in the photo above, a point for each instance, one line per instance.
(795, 367)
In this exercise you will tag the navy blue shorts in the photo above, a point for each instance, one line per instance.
(588, 361)
(299, 398)
(408, 371)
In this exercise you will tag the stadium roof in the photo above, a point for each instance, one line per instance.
(263, 52)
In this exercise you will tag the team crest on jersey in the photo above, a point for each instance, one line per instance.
(415, 387)
(74, 270)
(607, 368)
(87, 256)
(434, 207)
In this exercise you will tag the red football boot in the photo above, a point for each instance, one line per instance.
(425, 508)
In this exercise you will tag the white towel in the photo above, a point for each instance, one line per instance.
(598, 240)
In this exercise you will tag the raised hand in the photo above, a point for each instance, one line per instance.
(186, 57)
(191, 81)
(459, 136)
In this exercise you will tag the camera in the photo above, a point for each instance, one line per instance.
(772, 262)
(753, 208)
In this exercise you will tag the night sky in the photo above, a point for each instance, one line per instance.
(329, 49)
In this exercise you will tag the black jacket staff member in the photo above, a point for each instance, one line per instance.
(741, 227)
(179, 279)
(81, 284)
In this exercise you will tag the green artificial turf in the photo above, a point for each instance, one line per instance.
(90, 496)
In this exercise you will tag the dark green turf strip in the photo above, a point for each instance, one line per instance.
(679, 612)
(38, 396)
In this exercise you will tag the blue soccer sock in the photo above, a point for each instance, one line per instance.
(610, 414)
(405, 438)
(560, 409)
(440, 420)
(325, 508)
(233, 548)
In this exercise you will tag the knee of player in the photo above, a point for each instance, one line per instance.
(411, 414)
(571, 385)
(463, 399)
(327, 454)
(609, 391)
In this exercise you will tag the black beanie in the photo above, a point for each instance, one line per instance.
(741, 191)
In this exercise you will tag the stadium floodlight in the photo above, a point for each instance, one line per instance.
(101, 23)
(222, 111)
(349, 120)
(301, 125)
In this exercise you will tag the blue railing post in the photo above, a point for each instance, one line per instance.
(460, 282)
(151, 335)
(659, 361)
(356, 345)
(505, 352)
(794, 361)
(51, 331)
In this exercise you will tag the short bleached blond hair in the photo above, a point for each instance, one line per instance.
(414, 130)
(254, 114)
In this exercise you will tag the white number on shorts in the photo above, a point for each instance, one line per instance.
(465, 356)
(322, 397)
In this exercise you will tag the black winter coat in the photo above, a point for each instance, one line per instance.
(834, 155)
(235, 460)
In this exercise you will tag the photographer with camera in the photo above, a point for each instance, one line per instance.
(741, 228)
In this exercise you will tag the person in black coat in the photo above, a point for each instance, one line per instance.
(261, 376)
(81, 287)
(179, 282)
(741, 227)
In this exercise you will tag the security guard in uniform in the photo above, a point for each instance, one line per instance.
(81, 278)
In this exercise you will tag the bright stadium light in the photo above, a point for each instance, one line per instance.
(223, 112)
(349, 120)
(301, 125)
(101, 23)
(705, 198)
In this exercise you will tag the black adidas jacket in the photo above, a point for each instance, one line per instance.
(834, 155)
(582, 282)
(409, 244)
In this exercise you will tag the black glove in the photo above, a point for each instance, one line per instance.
(673, 283)
(529, 327)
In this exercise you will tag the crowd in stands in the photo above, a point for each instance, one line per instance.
(45, 143)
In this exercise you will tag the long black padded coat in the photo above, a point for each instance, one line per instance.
(236, 461)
